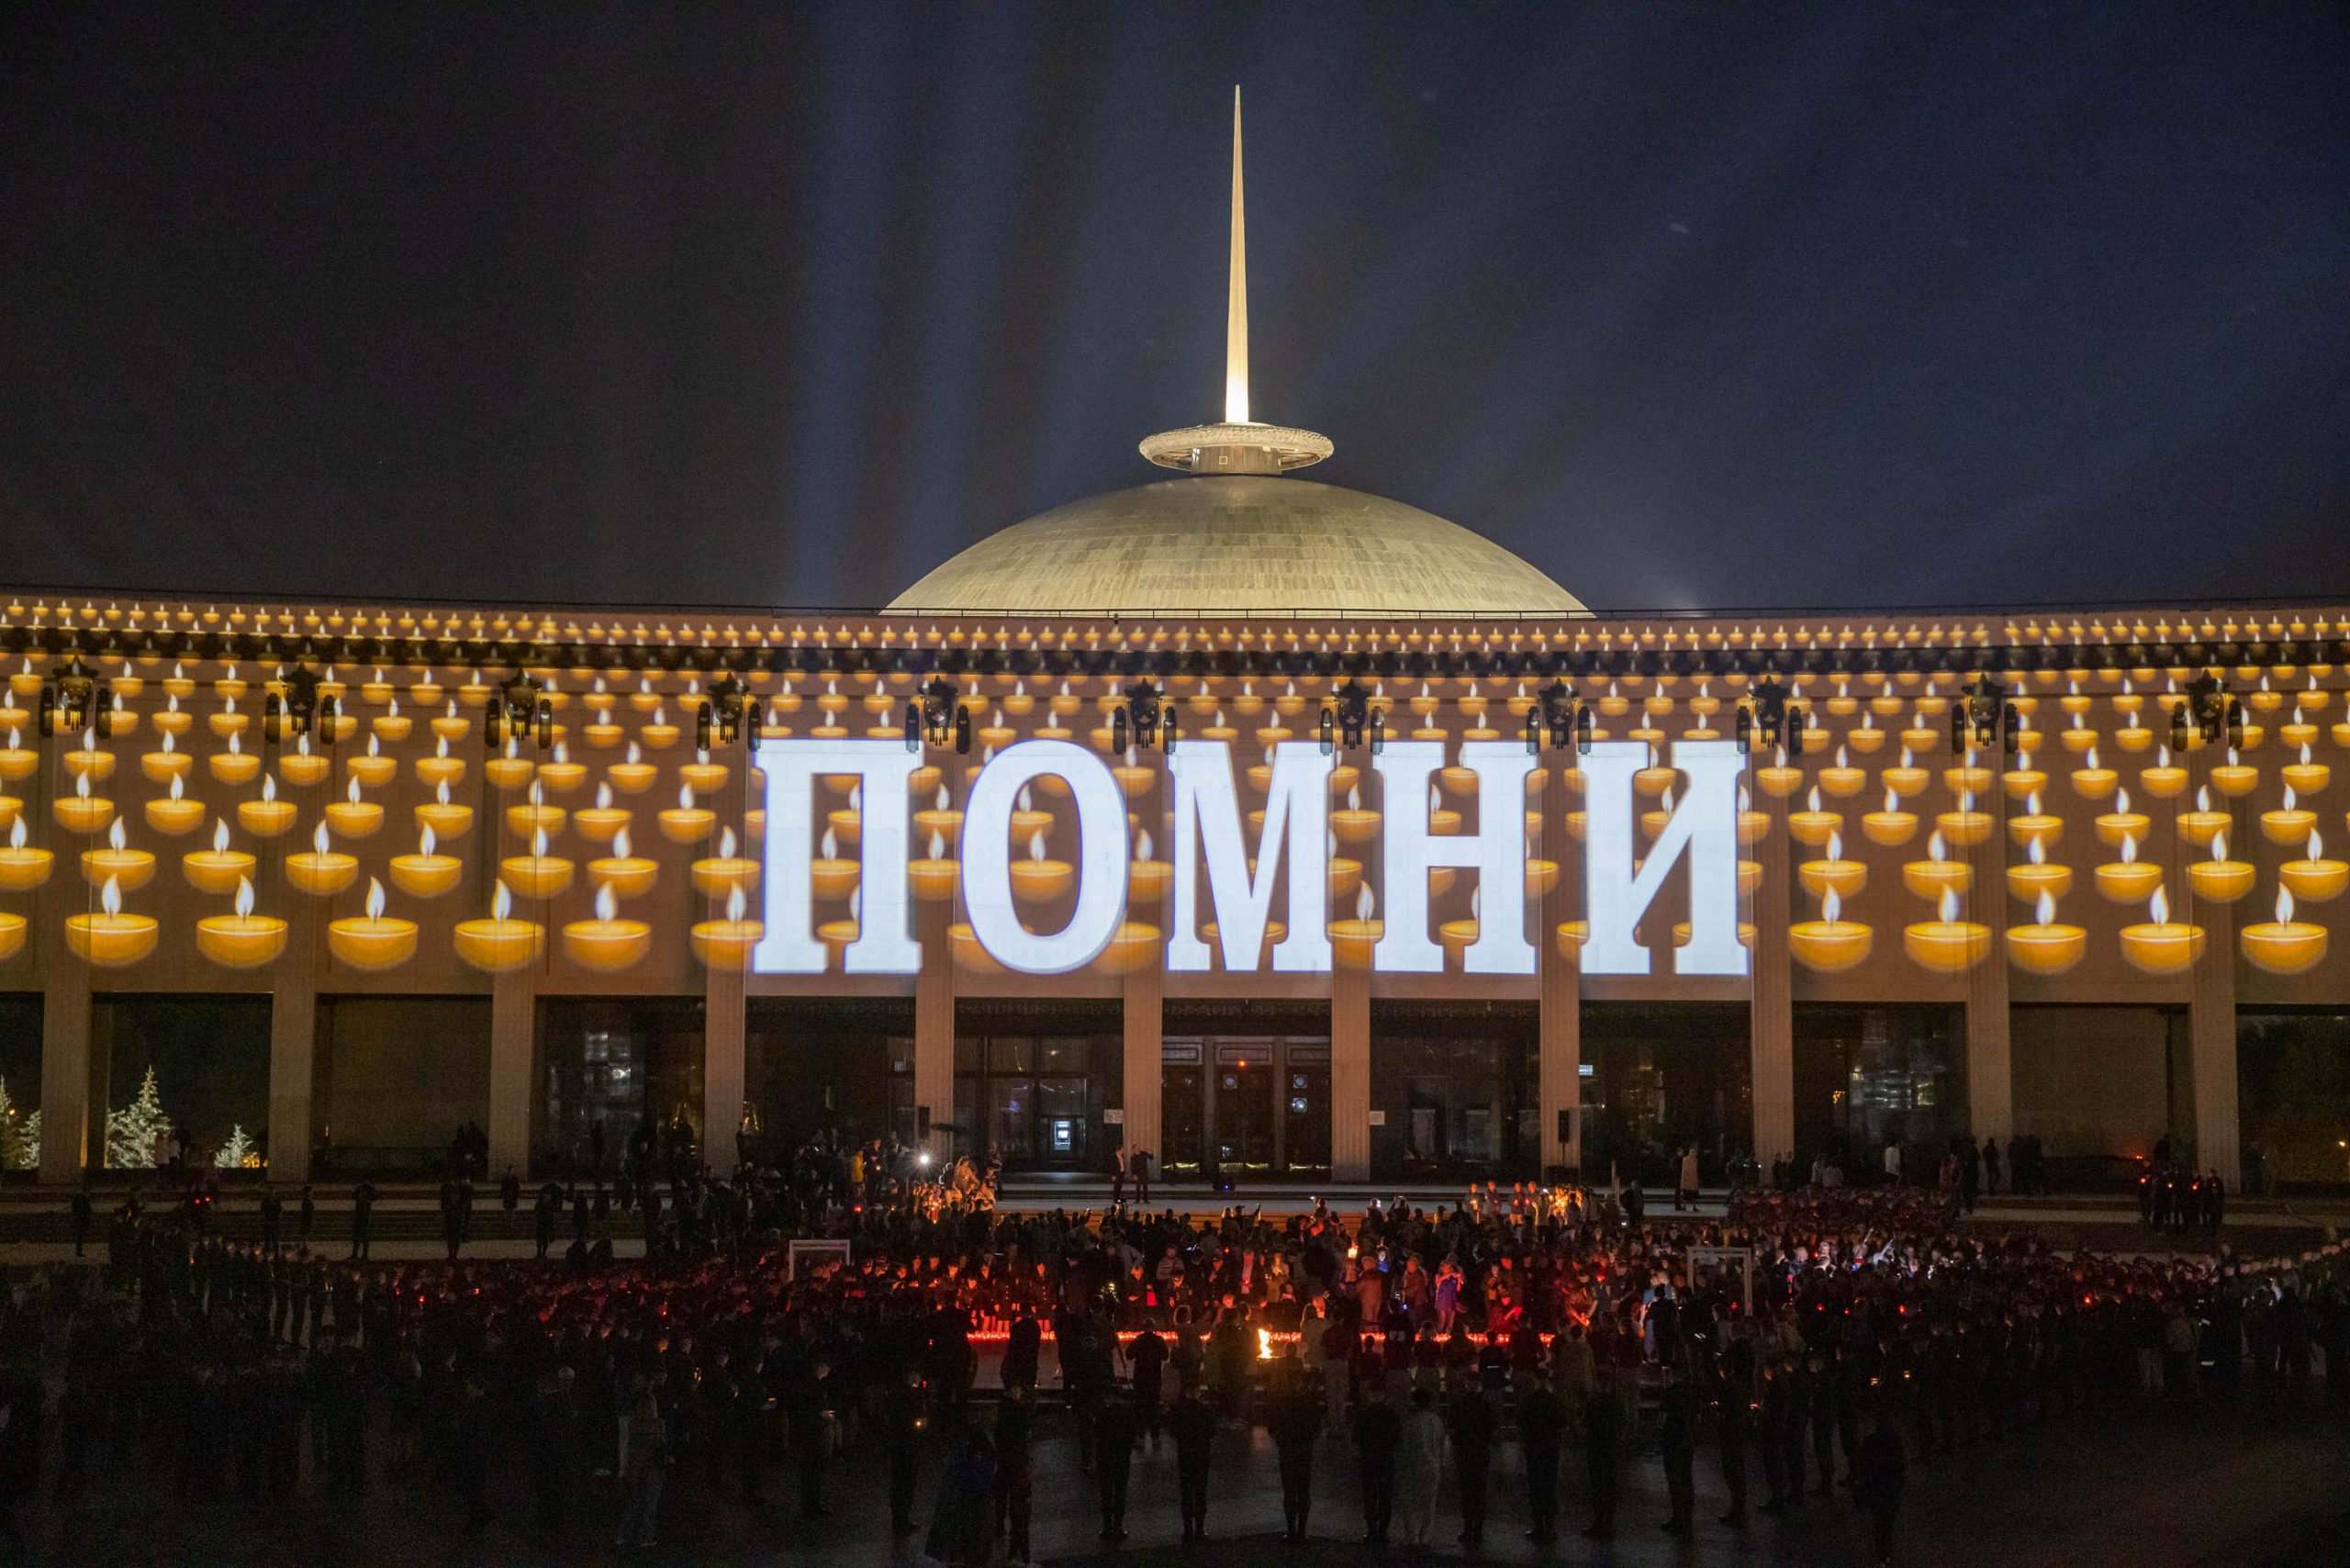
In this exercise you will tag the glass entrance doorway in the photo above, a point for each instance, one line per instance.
(1240, 1108)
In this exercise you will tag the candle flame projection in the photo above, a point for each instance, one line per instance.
(372, 941)
(426, 874)
(1937, 873)
(1946, 944)
(2045, 946)
(501, 943)
(2160, 945)
(22, 869)
(110, 939)
(727, 943)
(242, 940)
(1831, 944)
(1353, 941)
(2283, 945)
(2313, 879)
(606, 942)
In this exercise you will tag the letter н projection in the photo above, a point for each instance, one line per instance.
(1704, 822)
(1496, 852)
(1208, 826)
(1100, 862)
(885, 941)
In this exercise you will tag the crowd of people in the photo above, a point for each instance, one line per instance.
(1813, 1339)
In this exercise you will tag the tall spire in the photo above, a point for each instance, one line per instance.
(1236, 315)
(1238, 445)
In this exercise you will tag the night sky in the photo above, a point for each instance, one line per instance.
(1691, 305)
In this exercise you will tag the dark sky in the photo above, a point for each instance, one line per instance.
(1726, 305)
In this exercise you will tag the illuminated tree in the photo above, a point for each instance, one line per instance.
(132, 1131)
(238, 1153)
(19, 1135)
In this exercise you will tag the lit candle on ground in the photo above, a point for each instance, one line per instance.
(353, 817)
(1834, 874)
(110, 939)
(1946, 944)
(219, 868)
(727, 943)
(499, 943)
(1353, 941)
(2160, 945)
(685, 823)
(244, 940)
(626, 874)
(2315, 879)
(2128, 880)
(2220, 880)
(2283, 946)
(323, 869)
(174, 813)
(23, 869)
(537, 875)
(269, 816)
(426, 874)
(1830, 944)
(372, 941)
(2036, 877)
(118, 862)
(722, 874)
(82, 811)
(2045, 948)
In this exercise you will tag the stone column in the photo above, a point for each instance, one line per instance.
(1560, 1007)
(724, 1025)
(1350, 1074)
(1145, 1031)
(935, 1028)
(294, 1045)
(1772, 1005)
(1990, 1065)
(513, 1052)
(73, 1134)
(2211, 1043)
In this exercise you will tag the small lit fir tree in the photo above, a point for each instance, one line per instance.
(19, 1135)
(239, 1153)
(132, 1132)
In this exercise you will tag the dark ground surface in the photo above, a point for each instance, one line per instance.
(2138, 1487)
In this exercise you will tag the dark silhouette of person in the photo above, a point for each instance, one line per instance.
(1604, 1422)
(1148, 1355)
(1295, 1420)
(1114, 1432)
(1192, 1423)
(1878, 1473)
(363, 1217)
(1680, 1449)
(807, 1423)
(1735, 1396)
(1471, 1422)
(1378, 1431)
(82, 1216)
(1022, 1347)
(1016, 1435)
(902, 1438)
(273, 1221)
(1541, 1420)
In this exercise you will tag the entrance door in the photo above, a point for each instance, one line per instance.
(1182, 1116)
(1306, 1114)
(1244, 1116)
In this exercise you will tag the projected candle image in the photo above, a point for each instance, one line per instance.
(374, 940)
(1833, 872)
(1937, 873)
(242, 940)
(110, 938)
(1354, 941)
(2160, 946)
(2315, 879)
(499, 943)
(2045, 946)
(728, 944)
(428, 873)
(1830, 944)
(322, 870)
(1946, 944)
(133, 869)
(2219, 879)
(2283, 945)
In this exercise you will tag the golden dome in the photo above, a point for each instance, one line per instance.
(1236, 544)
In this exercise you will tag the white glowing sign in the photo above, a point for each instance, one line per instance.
(1237, 893)
(1704, 824)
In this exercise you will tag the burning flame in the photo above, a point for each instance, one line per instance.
(352, 793)
(269, 787)
(2283, 906)
(1036, 844)
(938, 846)
(1935, 848)
(17, 833)
(726, 843)
(1948, 908)
(220, 835)
(1143, 844)
(1364, 902)
(110, 897)
(736, 904)
(2220, 846)
(245, 897)
(425, 842)
(2128, 848)
(2158, 908)
(2043, 912)
(1812, 800)
(1831, 908)
(116, 837)
(621, 848)
(374, 898)
(501, 902)
(1835, 845)
(2316, 850)
(686, 797)
(831, 845)
(538, 844)
(608, 903)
